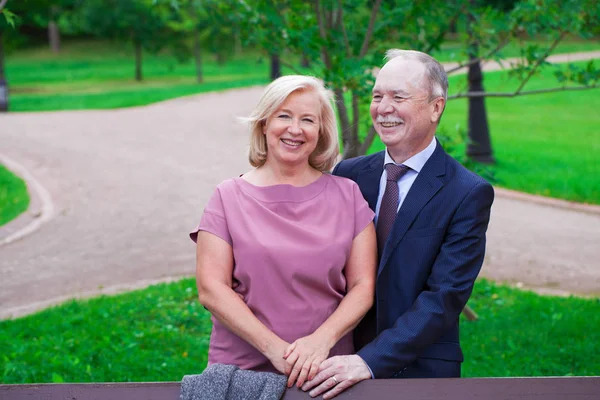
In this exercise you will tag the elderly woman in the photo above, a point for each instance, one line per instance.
(286, 253)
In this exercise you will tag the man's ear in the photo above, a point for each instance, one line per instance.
(438, 108)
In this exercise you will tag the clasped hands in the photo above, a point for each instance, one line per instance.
(306, 365)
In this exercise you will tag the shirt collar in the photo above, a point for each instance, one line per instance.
(417, 161)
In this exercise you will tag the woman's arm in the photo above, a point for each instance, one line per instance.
(305, 355)
(214, 275)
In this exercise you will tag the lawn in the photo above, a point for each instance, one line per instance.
(14, 198)
(98, 75)
(162, 332)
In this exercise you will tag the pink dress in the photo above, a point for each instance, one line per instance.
(290, 245)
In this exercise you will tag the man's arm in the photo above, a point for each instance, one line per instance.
(448, 289)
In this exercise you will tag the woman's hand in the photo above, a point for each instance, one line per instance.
(276, 353)
(304, 356)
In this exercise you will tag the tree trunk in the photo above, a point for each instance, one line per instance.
(198, 57)
(54, 36)
(138, 60)
(2, 55)
(3, 83)
(275, 66)
(220, 57)
(305, 62)
(348, 140)
(479, 147)
(53, 32)
(237, 41)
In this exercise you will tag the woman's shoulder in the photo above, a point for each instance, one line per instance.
(341, 182)
(345, 186)
(227, 189)
(228, 184)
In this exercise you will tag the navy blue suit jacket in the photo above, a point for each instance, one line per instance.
(428, 267)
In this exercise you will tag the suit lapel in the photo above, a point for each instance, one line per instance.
(425, 186)
(368, 179)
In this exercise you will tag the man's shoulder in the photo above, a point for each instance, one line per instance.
(350, 167)
(464, 177)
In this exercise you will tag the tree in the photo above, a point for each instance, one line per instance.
(201, 25)
(317, 30)
(338, 37)
(8, 20)
(140, 22)
(551, 20)
(188, 18)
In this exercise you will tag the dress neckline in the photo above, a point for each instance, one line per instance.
(283, 191)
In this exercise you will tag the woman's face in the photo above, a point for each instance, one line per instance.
(292, 131)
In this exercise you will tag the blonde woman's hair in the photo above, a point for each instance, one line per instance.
(325, 154)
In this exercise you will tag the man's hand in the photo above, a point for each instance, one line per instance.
(337, 374)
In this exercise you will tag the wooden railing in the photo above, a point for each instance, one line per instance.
(550, 388)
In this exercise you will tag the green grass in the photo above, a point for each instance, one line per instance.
(14, 198)
(162, 333)
(156, 334)
(98, 75)
(520, 333)
(546, 144)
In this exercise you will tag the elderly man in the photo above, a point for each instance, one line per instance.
(431, 218)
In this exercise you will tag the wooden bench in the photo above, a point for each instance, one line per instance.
(549, 388)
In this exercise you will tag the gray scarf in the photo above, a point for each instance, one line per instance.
(228, 382)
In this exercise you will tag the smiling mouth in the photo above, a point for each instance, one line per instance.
(390, 124)
(294, 143)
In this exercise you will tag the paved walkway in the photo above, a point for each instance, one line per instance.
(126, 185)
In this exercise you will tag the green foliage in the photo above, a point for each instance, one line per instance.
(162, 333)
(343, 47)
(14, 198)
(9, 16)
(199, 26)
(126, 20)
(335, 37)
(586, 75)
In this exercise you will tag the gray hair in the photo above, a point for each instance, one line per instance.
(325, 154)
(436, 75)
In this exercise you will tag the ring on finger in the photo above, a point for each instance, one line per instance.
(334, 380)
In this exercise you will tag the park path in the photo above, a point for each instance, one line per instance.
(127, 185)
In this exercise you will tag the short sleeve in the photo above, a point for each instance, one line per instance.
(363, 215)
(213, 219)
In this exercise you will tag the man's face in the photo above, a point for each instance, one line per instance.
(402, 114)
